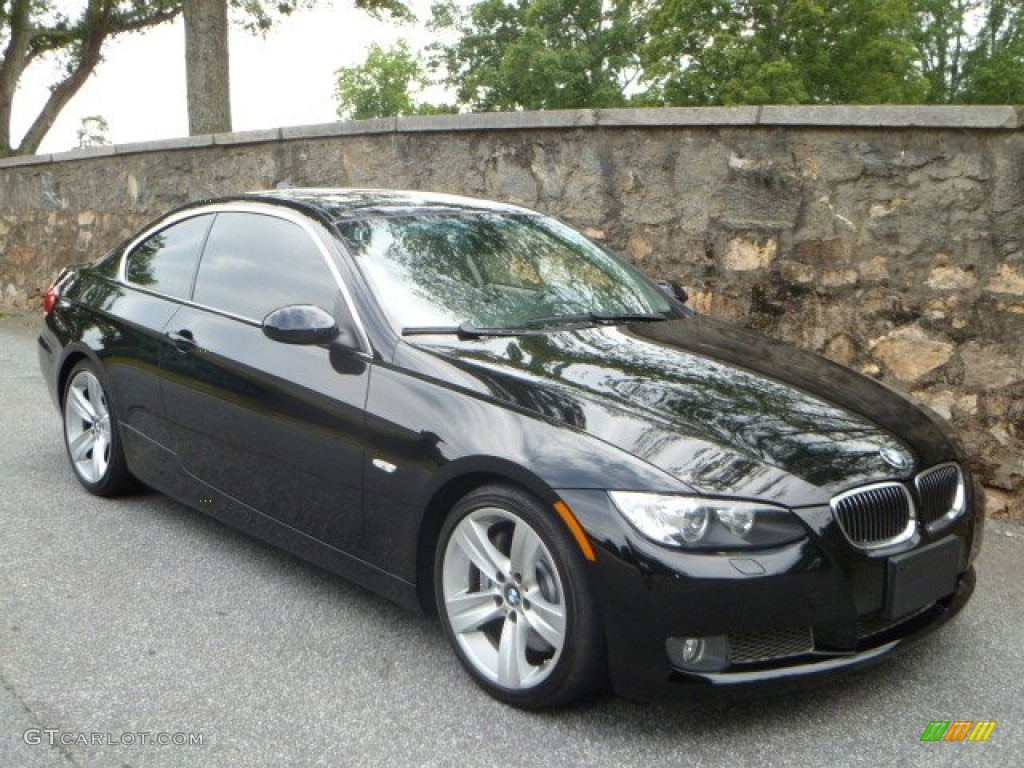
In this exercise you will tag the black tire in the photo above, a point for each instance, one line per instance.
(525, 605)
(91, 435)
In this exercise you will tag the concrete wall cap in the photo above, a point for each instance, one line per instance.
(979, 117)
(18, 160)
(327, 130)
(185, 142)
(499, 121)
(851, 117)
(248, 137)
(83, 153)
(677, 116)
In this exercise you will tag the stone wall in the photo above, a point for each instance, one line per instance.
(890, 239)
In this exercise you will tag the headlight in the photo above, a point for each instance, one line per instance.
(693, 522)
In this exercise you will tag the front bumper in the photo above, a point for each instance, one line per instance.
(816, 667)
(791, 616)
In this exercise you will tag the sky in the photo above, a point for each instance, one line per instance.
(286, 78)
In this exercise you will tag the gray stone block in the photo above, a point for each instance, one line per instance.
(499, 121)
(247, 137)
(84, 153)
(978, 117)
(327, 130)
(186, 142)
(19, 160)
(677, 116)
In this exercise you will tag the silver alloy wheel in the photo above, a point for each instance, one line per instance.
(504, 598)
(87, 427)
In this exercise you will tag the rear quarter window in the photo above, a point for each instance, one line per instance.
(166, 261)
(109, 263)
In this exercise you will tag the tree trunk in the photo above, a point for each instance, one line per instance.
(12, 65)
(206, 66)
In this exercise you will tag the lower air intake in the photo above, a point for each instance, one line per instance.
(767, 646)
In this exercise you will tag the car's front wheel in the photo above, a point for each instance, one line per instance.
(515, 600)
(91, 436)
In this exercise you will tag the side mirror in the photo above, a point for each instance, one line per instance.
(300, 324)
(674, 290)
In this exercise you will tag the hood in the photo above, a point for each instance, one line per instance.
(722, 409)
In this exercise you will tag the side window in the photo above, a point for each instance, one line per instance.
(254, 264)
(166, 261)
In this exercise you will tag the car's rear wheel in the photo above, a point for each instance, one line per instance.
(515, 600)
(91, 435)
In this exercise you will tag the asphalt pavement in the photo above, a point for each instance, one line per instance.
(132, 621)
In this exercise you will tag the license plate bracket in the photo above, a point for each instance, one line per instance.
(915, 579)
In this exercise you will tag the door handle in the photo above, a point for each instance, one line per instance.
(183, 339)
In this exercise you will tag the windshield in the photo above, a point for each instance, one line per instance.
(492, 270)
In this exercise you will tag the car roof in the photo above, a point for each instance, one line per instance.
(338, 204)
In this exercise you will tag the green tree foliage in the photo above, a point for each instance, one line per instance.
(943, 42)
(35, 29)
(538, 54)
(782, 51)
(971, 51)
(551, 54)
(259, 16)
(74, 33)
(386, 84)
(994, 69)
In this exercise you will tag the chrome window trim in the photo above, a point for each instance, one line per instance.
(905, 535)
(262, 210)
(941, 522)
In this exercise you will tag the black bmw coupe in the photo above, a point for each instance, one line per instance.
(470, 408)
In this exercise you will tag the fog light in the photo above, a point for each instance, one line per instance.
(698, 654)
(693, 649)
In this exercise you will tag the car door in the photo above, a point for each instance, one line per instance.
(156, 276)
(276, 426)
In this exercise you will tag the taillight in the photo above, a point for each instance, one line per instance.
(52, 295)
(50, 299)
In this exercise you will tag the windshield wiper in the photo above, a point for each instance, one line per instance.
(598, 318)
(611, 318)
(467, 330)
(463, 331)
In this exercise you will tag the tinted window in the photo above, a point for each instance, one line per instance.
(167, 260)
(254, 264)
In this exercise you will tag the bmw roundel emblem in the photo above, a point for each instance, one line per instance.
(895, 458)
